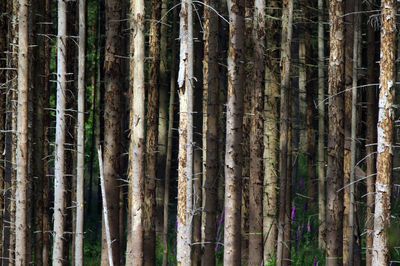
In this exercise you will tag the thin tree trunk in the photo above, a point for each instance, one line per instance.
(285, 174)
(272, 81)
(321, 129)
(169, 140)
(210, 137)
(112, 108)
(234, 115)
(185, 156)
(137, 127)
(380, 254)
(22, 136)
(334, 212)
(81, 136)
(256, 138)
(59, 184)
(370, 140)
(151, 136)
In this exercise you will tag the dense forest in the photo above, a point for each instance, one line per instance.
(211, 132)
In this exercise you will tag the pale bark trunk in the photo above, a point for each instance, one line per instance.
(284, 171)
(272, 81)
(370, 140)
(334, 219)
(321, 129)
(59, 184)
(234, 115)
(210, 154)
(380, 254)
(151, 136)
(137, 127)
(256, 138)
(185, 156)
(22, 136)
(113, 66)
(353, 151)
(81, 136)
(169, 141)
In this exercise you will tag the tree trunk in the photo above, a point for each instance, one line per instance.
(151, 135)
(256, 138)
(185, 156)
(210, 137)
(271, 114)
(81, 136)
(59, 186)
(234, 115)
(321, 128)
(169, 140)
(285, 173)
(370, 140)
(112, 108)
(137, 127)
(334, 219)
(380, 254)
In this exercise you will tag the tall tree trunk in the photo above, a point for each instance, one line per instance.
(112, 108)
(334, 212)
(380, 254)
(321, 128)
(256, 138)
(81, 136)
(272, 81)
(234, 114)
(185, 156)
(348, 69)
(22, 136)
(284, 171)
(210, 137)
(370, 139)
(151, 135)
(137, 127)
(169, 140)
(59, 184)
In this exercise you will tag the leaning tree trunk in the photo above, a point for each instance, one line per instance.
(271, 116)
(370, 140)
(151, 136)
(113, 67)
(334, 212)
(59, 184)
(185, 156)
(210, 153)
(22, 136)
(284, 171)
(234, 114)
(81, 136)
(321, 128)
(256, 138)
(380, 254)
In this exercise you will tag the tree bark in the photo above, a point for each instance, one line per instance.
(284, 171)
(210, 131)
(81, 136)
(151, 135)
(234, 115)
(59, 186)
(321, 129)
(256, 138)
(334, 219)
(380, 254)
(112, 108)
(185, 156)
(272, 81)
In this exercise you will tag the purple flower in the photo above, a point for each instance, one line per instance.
(306, 206)
(308, 227)
(315, 261)
(293, 212)
(301, 182)
(297, 236)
